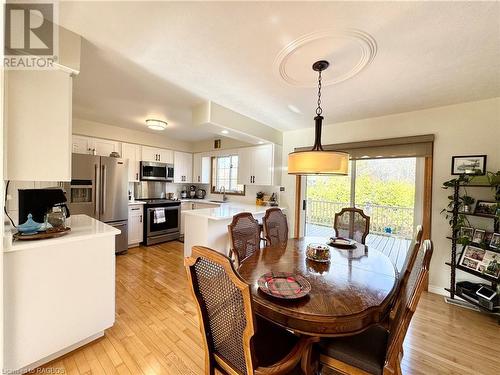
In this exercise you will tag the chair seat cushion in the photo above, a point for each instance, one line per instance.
(271, 343)
(365, 351)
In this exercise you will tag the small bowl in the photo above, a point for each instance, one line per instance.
(318, 252)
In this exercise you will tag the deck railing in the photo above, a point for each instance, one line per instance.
(383, 219)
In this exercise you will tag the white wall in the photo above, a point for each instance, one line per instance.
(106, 131)
(463, 129)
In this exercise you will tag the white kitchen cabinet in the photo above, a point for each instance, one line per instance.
(94, 146)
(133, 154)
(104, 147)
(157, 154)
(183, 167)
(201, 168)
(38, 118)
(135, 224)
(259, 165)
(81, 145)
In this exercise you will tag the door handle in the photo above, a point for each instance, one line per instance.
(103, 190)
(95, 189)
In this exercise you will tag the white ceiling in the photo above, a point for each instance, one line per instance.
(158, 59)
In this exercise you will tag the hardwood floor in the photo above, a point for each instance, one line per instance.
(156, 328)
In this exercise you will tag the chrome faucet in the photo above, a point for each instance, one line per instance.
(224, 197)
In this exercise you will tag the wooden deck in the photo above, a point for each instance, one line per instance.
(156, 329)
(394, 247)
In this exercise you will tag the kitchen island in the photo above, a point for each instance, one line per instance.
(208, 226)
(59, 293)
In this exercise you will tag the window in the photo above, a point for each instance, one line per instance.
(225, 175)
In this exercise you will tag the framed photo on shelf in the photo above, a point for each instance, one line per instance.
(467, 232)
(480, 260)
(495, 241)
(486, 208)
(478, 236)
(472, 165)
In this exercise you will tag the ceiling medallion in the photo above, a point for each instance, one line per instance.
(359, 45)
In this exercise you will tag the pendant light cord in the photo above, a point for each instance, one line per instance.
(319, 110)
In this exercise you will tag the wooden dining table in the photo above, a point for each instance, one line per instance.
(350, 293)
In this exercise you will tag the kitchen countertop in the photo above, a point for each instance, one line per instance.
(195, 200)
(130, 203)
(228, 210)
(82, 226)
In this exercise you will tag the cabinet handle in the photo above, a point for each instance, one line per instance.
(140, 219)
(198, 178)
(137, 176)
(135, 209)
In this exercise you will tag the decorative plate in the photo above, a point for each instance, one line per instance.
(284, 285)
(342, 242)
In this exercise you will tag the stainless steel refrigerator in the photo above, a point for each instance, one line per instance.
(99, 188)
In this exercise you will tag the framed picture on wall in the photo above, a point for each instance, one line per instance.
(472, 164)
(485, 208)
(480, 260)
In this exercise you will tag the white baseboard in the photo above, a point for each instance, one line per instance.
(437, 290)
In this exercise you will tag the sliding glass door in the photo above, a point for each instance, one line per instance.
(385, 189)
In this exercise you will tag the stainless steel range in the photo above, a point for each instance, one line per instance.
(163, 220)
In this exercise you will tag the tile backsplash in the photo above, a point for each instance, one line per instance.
(13, 198)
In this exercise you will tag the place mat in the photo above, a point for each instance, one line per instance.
(341, 242)
(284, 285)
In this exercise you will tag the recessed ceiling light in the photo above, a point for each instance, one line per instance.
(225, 132)
(261, 142)
(156, 124)
(294, 109)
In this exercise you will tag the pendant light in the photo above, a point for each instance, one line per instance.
(318, 161)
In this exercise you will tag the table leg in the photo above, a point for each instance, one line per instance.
(309, 361)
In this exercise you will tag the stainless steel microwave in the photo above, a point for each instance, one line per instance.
(154, 171)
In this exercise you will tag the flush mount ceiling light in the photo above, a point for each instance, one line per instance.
(156, 124)
(318, 161)
(224, 132)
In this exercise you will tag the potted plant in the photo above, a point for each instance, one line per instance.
(466, 202)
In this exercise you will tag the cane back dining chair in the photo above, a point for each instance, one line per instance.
(234, 340)
(378, 350)
(244, 236)
(275, 227)
(352, 223)
(404, 273)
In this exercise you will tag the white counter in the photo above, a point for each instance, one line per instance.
(59, 293)
(208, 226)
(82, 227)
(228, 210)
(131, 203)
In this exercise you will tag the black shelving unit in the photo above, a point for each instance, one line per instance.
(454, 238)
